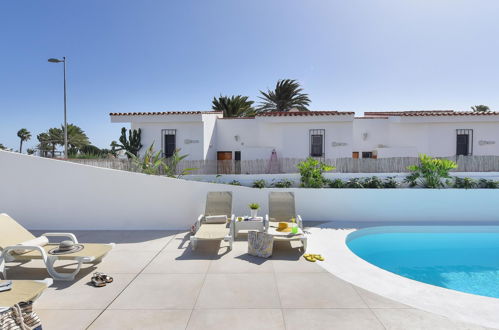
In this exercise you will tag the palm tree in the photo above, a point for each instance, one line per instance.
(480, 108)
(76, 137)
(24, 135)
(286, 96)
(234, 106)
(49, 140)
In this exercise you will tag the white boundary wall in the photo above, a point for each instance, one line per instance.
(43, 193)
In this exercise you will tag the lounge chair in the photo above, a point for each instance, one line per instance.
(18, 244)
(282, 209)
(214, 224)
(23, 291)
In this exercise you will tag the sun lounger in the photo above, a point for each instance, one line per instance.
(18, 244)
(214, 224)
(282, 209)
(16, 304)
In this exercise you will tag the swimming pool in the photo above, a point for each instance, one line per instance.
(464, 258)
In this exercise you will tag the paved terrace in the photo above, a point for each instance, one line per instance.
(159, 283)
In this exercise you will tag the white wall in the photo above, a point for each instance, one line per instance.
(56, 195)
(288, 136)
(435, 136)
(151, 133)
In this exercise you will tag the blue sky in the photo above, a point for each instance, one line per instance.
(176, 55)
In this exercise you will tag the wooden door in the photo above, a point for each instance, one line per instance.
(224, 162)
(355, 154)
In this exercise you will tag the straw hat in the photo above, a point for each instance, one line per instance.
(66, 247)
(282, 225)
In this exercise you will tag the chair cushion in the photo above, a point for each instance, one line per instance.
(215, 219)
(212, 231)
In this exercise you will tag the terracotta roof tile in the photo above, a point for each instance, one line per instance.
(163, 113)
(427, 113)
(303, 113)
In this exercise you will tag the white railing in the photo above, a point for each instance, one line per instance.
(288, 165)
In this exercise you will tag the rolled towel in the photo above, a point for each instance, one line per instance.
(39, 241)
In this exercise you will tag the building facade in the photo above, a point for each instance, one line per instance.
(207, 135)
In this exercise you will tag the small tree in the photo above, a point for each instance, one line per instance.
(2, 147)
(153, 163)
(24, 135)
(480, 108)
(131, 145)
(311, 171)
(430, 172)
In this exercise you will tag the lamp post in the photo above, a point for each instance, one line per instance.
(56, 60)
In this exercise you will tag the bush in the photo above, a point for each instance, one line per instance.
(488, 184)
(372, 183)
(466, 183)
(259, 183)
(311, 173)
(283, 183)
(354, 183)
(390, 182)
(336, 183)
(430, 173)
(235, 183)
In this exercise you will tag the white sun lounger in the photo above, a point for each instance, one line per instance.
(13, 234)
(282, 209)
(218, 203)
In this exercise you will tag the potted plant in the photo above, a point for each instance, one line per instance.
(254, 209)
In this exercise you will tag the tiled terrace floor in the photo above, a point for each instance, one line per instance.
(159, 283)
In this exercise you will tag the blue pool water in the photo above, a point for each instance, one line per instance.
(458, 258)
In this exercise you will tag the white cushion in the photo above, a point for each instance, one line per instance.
(215, 219)
(39, 241)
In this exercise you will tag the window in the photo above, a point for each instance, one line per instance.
(168, 142)
(367, 154)
(317, 142)
(355, 154)
(464, 142)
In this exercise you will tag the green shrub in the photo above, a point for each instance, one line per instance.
(336, 183)
(390, 182)
(254, 206)
(430, 173)
(488, 184)
(259, 183)
(464, 183)
(311, 173)
(372, 183)
(283, 183)
(354, 183)
(235, 183)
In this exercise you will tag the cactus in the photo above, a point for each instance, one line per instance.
(131, 145)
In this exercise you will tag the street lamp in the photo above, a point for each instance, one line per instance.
(56, 60)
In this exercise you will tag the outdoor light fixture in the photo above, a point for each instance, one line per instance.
(56, 60)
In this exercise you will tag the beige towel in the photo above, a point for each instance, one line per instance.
(39, 241)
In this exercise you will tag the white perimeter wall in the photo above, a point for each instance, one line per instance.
(57, 195)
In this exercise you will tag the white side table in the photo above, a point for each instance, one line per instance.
(248, 225)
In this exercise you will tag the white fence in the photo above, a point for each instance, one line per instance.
(58, 195)
(288, 165)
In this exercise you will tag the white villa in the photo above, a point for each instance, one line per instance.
(207, 135)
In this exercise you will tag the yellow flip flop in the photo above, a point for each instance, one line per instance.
(309, 257)
(319, 257)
